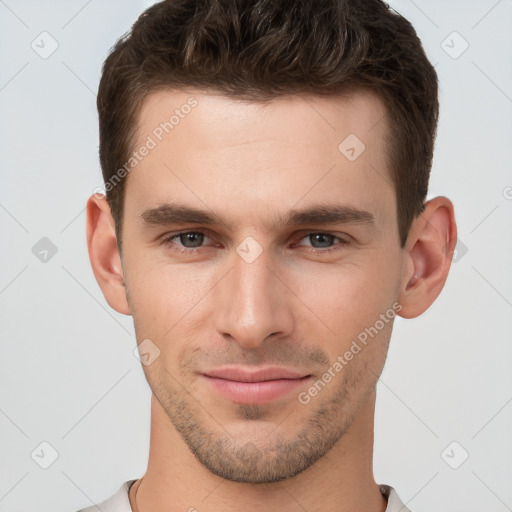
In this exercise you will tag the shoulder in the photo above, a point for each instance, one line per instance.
(119, 502)
(395, 504)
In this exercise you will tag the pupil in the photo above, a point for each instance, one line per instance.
(327, 239)
(189, 237)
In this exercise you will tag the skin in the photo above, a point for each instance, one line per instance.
(293, 306)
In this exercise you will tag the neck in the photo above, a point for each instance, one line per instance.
(341, 481)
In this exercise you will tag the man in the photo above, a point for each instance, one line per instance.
(266, 166)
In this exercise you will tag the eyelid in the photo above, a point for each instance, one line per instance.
(340, 236)
(307, 235)
(170, 237)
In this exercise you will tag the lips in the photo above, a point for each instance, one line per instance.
(263, 385)
(259, 375)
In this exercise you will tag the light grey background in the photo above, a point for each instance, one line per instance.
(68, 376)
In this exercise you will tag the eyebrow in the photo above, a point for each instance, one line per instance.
(168, 214)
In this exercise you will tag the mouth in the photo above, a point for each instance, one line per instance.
(259, 386)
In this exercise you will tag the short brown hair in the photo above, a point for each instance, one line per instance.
(263, 49)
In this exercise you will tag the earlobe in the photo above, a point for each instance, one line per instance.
(104, 254)
(427, 257)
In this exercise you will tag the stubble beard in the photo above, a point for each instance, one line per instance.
(283, 455)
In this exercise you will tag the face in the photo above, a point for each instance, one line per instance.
(258, 237)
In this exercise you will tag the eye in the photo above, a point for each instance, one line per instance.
(187, 241)
(191, 239)
(322, 239)
(323, 242)
(190, 242)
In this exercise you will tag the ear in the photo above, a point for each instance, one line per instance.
(104, 254)
(428, 255)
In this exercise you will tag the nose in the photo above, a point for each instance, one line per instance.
(254, 303)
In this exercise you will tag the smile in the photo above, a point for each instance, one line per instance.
(260, 387)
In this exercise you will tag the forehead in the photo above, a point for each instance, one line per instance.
(243, 156)
(359, 110)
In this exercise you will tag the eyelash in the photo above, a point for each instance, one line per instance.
(168, 241)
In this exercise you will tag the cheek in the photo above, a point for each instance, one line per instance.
(347, 299)
(165, 300)
(165, 297)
